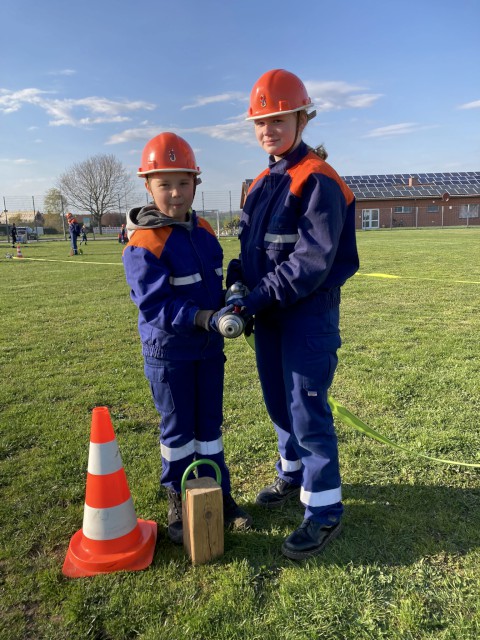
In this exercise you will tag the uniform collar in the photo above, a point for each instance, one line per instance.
(293, 158)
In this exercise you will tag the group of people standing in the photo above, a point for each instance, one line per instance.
(297, 249)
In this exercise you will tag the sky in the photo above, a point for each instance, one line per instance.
(395, 84)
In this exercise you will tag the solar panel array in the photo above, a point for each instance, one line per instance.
(396, 185)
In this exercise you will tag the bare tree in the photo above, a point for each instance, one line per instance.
(96, 185)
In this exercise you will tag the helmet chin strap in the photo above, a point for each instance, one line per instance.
(310, 115)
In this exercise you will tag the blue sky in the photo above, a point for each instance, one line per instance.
(396, 83)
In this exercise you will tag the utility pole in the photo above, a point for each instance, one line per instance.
(63, 218)
(6, 218)
(34, 218)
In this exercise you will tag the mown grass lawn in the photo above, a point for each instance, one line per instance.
(407, 565)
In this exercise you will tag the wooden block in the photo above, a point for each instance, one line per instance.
(202, 512)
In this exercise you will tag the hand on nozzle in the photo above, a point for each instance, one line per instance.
(237, 290)
(215, 318)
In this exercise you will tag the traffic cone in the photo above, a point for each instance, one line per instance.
(111, 539)
(19, 252)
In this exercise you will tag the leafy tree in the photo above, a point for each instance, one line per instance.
(54, 203)
(96, 185)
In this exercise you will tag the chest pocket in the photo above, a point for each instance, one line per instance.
(282, 231)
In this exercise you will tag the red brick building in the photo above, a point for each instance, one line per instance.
(413, 200)
(416, 200)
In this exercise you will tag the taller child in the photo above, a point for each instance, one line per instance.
(298, 247)
(173, 264)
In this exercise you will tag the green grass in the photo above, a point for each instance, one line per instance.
(407, 565)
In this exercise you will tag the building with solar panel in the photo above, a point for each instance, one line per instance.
(413, 199)
(416, 200)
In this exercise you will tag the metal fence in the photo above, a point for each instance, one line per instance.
(222, 206)
(225, 201)
(420, 216)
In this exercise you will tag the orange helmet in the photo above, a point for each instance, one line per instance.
(167, 152)
(277, 91)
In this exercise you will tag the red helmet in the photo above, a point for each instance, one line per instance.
(168, 152)
(277, 91)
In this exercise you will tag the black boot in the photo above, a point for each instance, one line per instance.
(309, 539)
(175, 524)
(277, 493)
(233, 516)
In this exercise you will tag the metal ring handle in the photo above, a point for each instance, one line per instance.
(195, 464)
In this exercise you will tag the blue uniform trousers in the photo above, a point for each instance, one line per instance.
(296, 361)
(188, 395)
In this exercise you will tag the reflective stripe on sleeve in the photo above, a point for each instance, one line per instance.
(179, 282)
(177, 453)
(320, 498)
(281, 238)
(219, 272)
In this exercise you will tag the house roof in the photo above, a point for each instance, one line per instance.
(414, 185)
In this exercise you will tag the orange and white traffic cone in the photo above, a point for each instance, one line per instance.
(112, 538)
(19, 252)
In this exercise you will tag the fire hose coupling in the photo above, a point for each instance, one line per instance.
(231, 324)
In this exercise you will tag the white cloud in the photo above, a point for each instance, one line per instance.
(140, 133)
(62, 72)
(327, 96)
(239, 131)
(236, 131)
(234, 96)
(400, 129)
(470, 105)
(336, 94)
(17, 161)
(66, 111)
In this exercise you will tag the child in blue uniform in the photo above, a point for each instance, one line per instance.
(173, 264)
(298, 247)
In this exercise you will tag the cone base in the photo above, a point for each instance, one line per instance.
(81, 563)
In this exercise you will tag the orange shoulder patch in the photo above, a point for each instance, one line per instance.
(204, 224)
(259, 177)
(152, 240)
(313, 164)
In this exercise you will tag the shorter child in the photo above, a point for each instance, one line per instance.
(173, 264)
(74, 231)
(84, 235)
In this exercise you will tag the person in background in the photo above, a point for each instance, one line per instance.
(74, 231)
(84, 235)
(123, 235)
(13, 233)
(173, 265)
(298, 247)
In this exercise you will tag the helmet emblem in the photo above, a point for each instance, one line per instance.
(172, 155)
(263, 101)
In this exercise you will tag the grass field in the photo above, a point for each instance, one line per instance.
(408, 563)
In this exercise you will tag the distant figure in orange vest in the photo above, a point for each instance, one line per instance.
(74, 231)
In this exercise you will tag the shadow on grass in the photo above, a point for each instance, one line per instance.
(393, 525)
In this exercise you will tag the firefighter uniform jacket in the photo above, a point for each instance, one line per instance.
(173, 271)
(297, 235)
